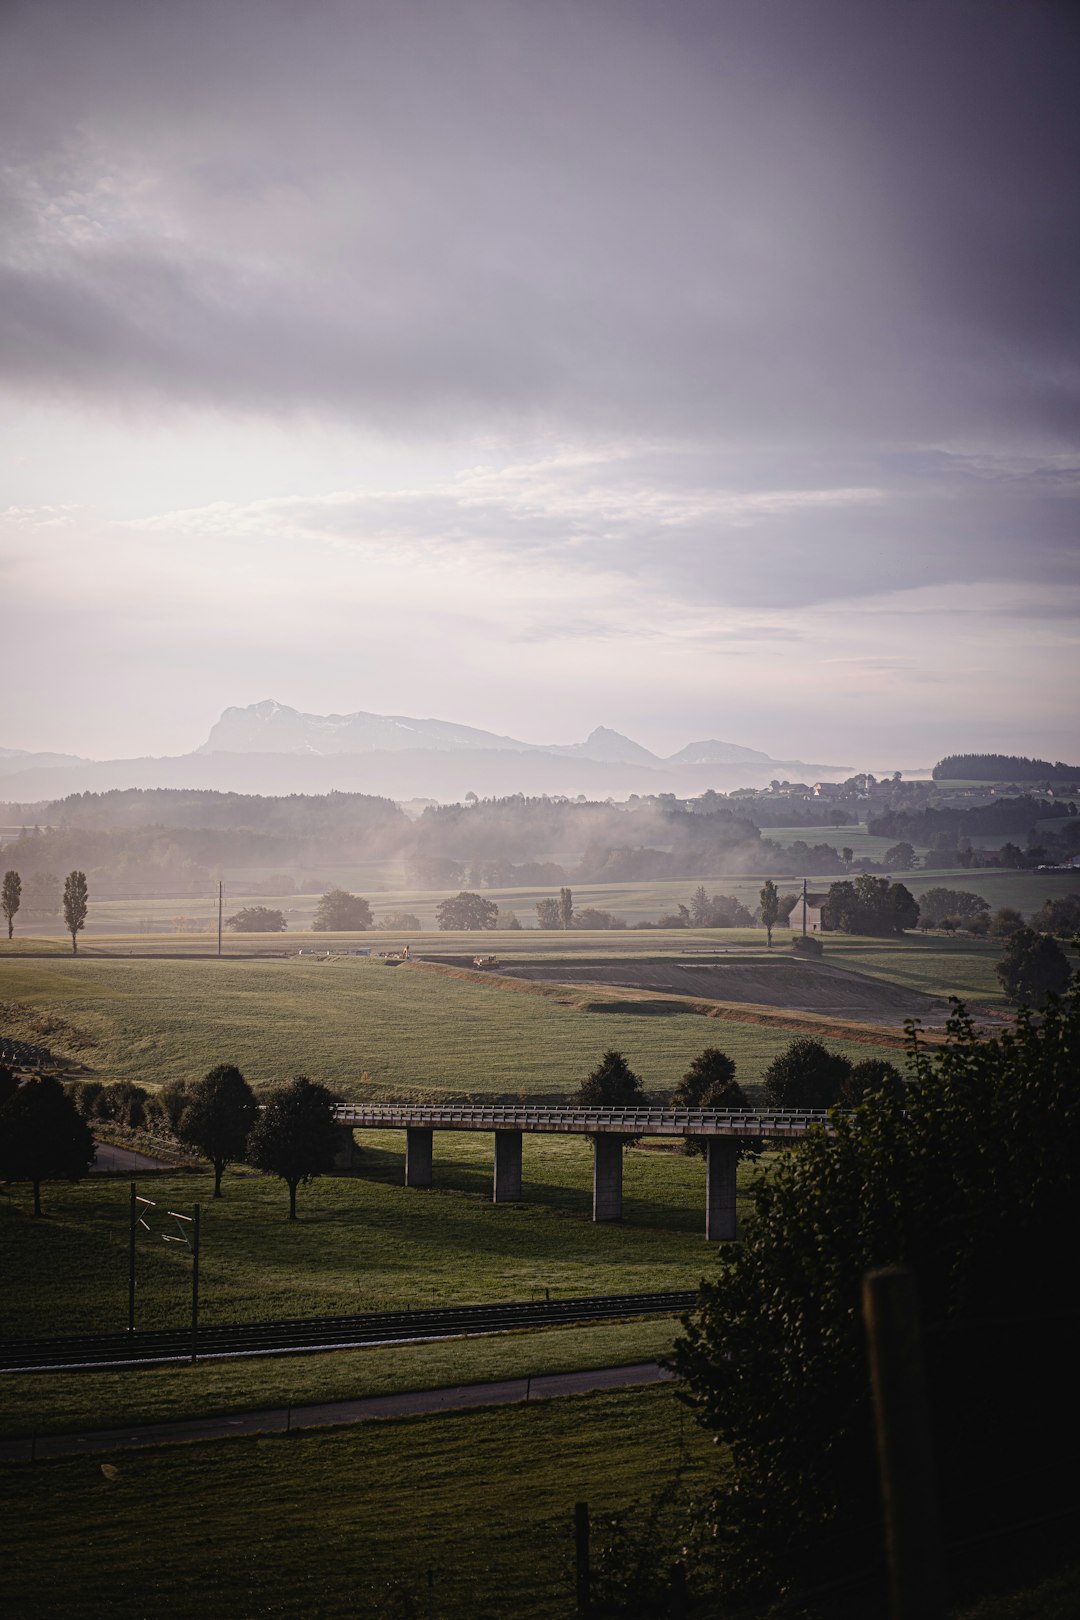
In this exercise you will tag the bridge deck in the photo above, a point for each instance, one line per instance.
(756, 1124)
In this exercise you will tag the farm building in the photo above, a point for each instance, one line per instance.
(812, 904)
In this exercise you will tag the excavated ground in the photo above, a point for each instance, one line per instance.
(790, 985)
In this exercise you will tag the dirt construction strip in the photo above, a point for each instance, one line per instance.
(333, 1414)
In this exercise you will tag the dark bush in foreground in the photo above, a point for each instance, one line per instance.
(970, 1174)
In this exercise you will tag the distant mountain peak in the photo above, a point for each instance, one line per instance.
(712, 752)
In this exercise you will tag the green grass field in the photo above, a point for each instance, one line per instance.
(406, 1029)
(344, 1524)
(363, 1242)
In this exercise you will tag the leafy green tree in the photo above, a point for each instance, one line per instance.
(75, 907)
(11, 899)
(611, 1084)
(710, 1082)
(970, 1175)
(1005, 922)
(173, 1099)
(699, 906)
(869, 1075)
(43, 1137)
(960, 904)
(1060, 917)
(1033, 967)
(566, 908)
(218, 1117)
(902, 856)
(806, 1075)
(467, 911)
(870, 905)
(338, 911)
(770, 909)
(295, 1135)
(257, 920)
(401, 922)
(547, 914)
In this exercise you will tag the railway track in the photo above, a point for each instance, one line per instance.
(218, 1341)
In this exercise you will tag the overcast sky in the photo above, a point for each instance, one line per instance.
(702, 370)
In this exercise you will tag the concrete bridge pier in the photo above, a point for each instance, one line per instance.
(607, 1178)
(721, 1161)
(418, 1155)
(506, 1185)
(346, 1155)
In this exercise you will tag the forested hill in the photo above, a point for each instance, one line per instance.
(304, 814)
(1002, 768)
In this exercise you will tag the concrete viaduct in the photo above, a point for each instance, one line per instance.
(720, 1130)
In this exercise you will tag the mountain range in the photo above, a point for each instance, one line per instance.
(269, 747)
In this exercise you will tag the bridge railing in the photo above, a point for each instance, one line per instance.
(742, 1122)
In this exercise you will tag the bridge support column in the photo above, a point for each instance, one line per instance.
(418, 1155)
(346, 1155)
(607, 1178)
(506, 1187)
(721, 1160)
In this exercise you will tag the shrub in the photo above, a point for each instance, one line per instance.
(807, 945)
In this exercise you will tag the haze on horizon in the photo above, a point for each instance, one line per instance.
(699, 370)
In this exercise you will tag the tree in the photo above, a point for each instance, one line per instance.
(611, 1084)
(467, 911)
(547, 914)
(338, 911)
(402, 922)
(1005, 922)
(1033, 967)
(1060, 917)
(257, 920)
(806, 1075)
(218, 1117)
(902, 856)
(566, 908)
(770, 909)
(75, 907)
(869, 1075)
(960, 904)
(11, 899)
(710, 1082)
(870, 905)
(970, 1175)
(699, 906)
(295, 1135)
(43, 1137)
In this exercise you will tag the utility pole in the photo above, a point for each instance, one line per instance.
(220, 897)
(803, 912)
(195, 1286)
(133, 1218)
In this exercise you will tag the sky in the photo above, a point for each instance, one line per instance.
(697, 369)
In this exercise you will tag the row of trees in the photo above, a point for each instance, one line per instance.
(46, 1132)
(75, 903)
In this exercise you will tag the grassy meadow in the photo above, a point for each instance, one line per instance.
(346, 1523)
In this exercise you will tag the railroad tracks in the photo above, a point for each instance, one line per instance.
(308, 1334)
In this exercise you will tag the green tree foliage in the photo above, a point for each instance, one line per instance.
(11, 899)
(970, 1175)
(806, 1075)
(611, 1084)
(710, 1082)
(173, 1099)
(869, 905)
(338, 911)
(1060, 917)
(547, 914)
(1033, 967)
(699, 906)
(1005, 922)
(257, 920)
(807, 945)
(869, 1075)
(770, 909)
(566, 908)
(902, 856)
(75, 907)
(43, 1137)
(596, 918)
(295, 1136)
(402, 922)
(218, 1117)
(467, 911)
(961, 905)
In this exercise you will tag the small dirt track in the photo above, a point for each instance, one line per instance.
(784, 984)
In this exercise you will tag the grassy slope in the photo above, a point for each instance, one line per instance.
(328, 1525)
(157, 1021)
(362, 1243)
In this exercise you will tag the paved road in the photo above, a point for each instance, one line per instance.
(334, 1413)
(114, 1158)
